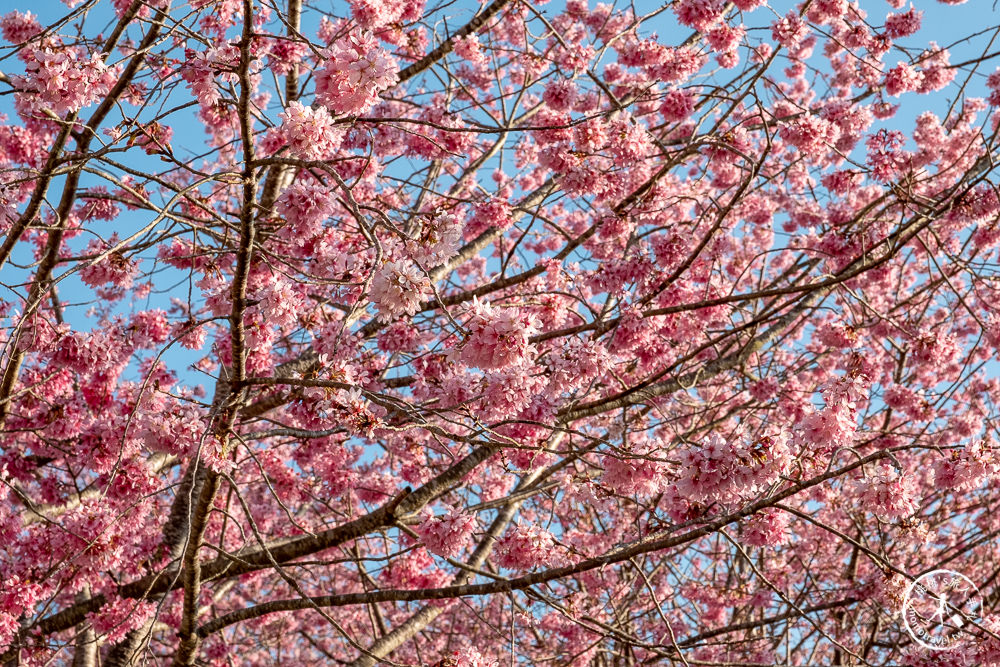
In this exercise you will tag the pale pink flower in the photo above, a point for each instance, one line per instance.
(766, 528)
(903, 25)
(16, 597)
(305, 205)
(398, 288)
(632, 331)
(374, 14)
(524, 548)
(829, 429)
(439, 238)
(507, 391)
(578, 364)
(887, 492)
(468, 49)
(357, 69)
(17, 28)
(790, 30)
(936, 350)
(909, 402)
(283, 54)
(494, 212)
(843, 181)
(986, 651)
(937, 72)
(561, 94)
(676, 65)
(355, 411)
(764, 389)
(204, 70)
(280, 300)
(968, 467)
(902, 79)
(446, 535)
(149, 328)
(115, 269)
(629, 141)
(827, 11)
(677, 105)
(497, 337)
(328, 30)
(470, 657)
(725, 38)
(153, 138)
(761, 53)
(118, 616)
(413, 570)
(885, 154)
(812, 135)
(309, 133)
(634, 475)
(576, 59)
(62, 80)
(399, 336)
(725, 471)
(191, 337)
(699, 14)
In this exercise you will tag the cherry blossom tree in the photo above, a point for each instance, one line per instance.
(418, 333)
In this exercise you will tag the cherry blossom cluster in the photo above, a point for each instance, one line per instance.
(355, 70)
(888, 492)
(497, 338)
(62, 80)
(447, 535)
(525, 548)
(727, 470)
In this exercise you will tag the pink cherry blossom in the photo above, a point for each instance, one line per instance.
(438, 240)
(398, 288)
(967, 467)
(888, 492)
(577, 365)
(355, 71)
(812, 135)
(305, 206)
(498, 337)
(525, 548)
(470, 657)
(308, 133)
(768, 528)
(885, 156)
(790, 30)
(18, 28)
(677, 106)
(699, 14)
(447, 535)
(641, 475)
(115, 268)
(62, 80)
(903, 24)
(115, 619)
(724, 471)
(509, 390)
(486, 215)
(902, 79)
